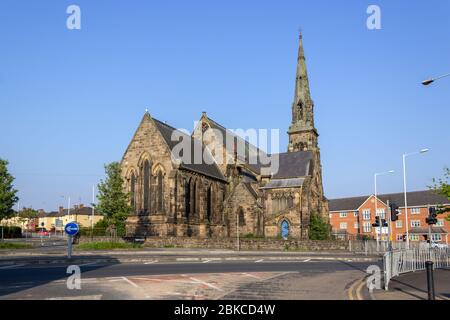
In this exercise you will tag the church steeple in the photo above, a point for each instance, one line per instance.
(302, 133)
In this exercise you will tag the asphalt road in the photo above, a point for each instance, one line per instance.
(19, 279)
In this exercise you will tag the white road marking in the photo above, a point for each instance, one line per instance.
(251, 275)
(206, 284)
(206, 261)
(130, 282)
(307, 260)
(12, 266)
(151, 262)
(259, 261)
(88, 264)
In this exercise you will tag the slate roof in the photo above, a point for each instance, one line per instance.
(284, 183)
(415, 198)
(418, 230)
(84, 211)
(291, 164)
(208, 168)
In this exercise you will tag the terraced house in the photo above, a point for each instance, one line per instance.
(221, 184)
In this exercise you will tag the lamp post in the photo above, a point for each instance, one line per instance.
(404, 191)
(431, 80)
(376, 206)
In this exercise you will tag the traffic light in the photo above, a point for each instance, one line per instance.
(432, 216)
(394, 211)
(377, 222)
(384, 223)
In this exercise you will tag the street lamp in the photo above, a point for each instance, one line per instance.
(376, 205)
(431, 80)
(404, 190)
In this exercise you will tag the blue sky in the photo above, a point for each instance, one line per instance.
(70, 100)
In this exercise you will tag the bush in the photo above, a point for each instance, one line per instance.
(319, 229)
(11, 232)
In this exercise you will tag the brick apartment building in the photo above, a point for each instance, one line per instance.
(352, 218)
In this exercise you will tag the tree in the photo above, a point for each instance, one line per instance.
(7, 192)
(113, 202)
(27, 214)
(441, 186)
(319, 229)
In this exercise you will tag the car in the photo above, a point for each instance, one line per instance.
(438, 245)
(43, 232)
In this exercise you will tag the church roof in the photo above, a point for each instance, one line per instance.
(207, 168)
(290, 165)
(415, 198)
(249, 148)
(284, 183)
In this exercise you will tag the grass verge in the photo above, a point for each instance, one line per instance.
(107, 246)
(10, 245)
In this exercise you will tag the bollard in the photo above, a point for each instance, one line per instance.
(430, 280)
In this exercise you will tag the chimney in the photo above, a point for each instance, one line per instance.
(61, 210)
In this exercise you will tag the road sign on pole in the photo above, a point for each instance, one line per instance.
(71, 229)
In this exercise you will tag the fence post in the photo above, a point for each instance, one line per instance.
(349, 245)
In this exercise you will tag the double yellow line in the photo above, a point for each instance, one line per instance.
(356, 287)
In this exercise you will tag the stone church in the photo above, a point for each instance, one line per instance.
(225, 190)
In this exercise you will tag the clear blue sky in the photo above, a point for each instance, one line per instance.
(70, 100)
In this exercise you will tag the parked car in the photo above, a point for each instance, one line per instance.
(42, 232)
(438, 245)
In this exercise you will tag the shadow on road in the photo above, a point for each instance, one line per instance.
(22, 275)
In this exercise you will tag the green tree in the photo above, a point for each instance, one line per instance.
(319, 229)
(113, 202)
(441, 186)
(26, 214)
(7, 192)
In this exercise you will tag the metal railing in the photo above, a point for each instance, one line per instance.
(369, 247)
(402, 261)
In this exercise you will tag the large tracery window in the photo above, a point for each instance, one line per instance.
(209, 204)
(187, 198)
(281, 202)
(132, 190)
(146, 186)
(160, 196)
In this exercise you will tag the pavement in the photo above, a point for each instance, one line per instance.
(413, 286)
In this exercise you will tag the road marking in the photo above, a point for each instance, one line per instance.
(88, 264)
(251, 275)
(307, 260)
(130, 282)
(12, 266)
(206, 261)
(259, 261)
(151, 262)
(358, 290)
(206, 284)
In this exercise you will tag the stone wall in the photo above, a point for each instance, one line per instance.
(245, 244)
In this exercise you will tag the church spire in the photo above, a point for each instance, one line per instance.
(302, 133)
(301, 93)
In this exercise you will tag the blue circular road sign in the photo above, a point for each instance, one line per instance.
(71, 228)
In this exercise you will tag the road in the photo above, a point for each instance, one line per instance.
(208, 279)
